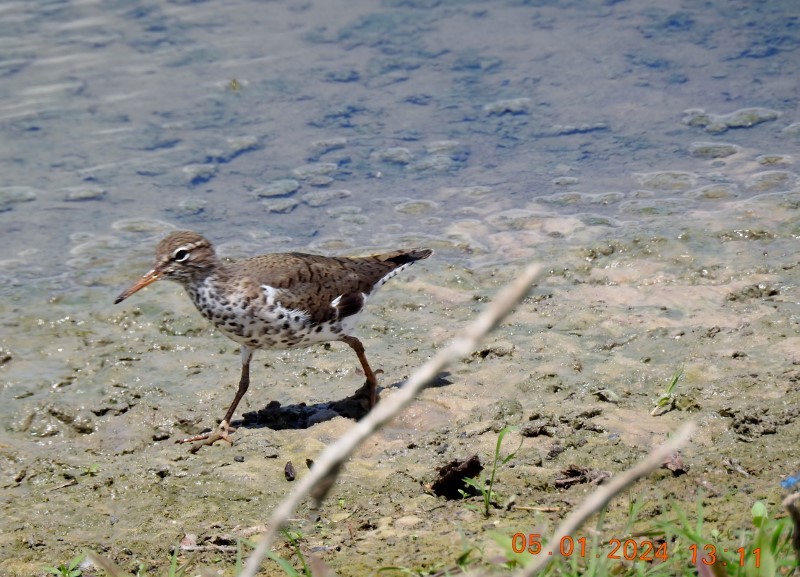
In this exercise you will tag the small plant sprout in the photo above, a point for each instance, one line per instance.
(666, 402)
(70, 569)
(486, 488)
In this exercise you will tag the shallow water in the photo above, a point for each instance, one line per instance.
(645, 151)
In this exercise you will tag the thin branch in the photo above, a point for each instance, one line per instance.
(323, 474)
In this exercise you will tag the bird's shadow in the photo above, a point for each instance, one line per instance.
(301, 416)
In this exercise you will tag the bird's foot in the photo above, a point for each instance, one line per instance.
(368, 394)
(221, 433)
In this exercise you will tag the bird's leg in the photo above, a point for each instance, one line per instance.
(222, 433)
(372, 382)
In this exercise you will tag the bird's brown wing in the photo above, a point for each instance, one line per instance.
(311, 283)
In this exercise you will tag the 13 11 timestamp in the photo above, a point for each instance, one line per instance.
(707, 555)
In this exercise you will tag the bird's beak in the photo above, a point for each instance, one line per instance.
(147, 279)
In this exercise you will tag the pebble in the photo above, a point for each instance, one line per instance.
(395, 155)
(339, 211)
(510, 106)
(473, 192)
(323, 197)
(282, 187)
(192, 205)
(142, 225)
(667, 180)
(514, 219)
(280, 205)
(416, 207)
(771, 181)
(442, 146)
(11, 195)
(407, 521)
(197, 173)
(774, 159)
(567, 129)
(330, 245)
(81, 193)
(717, 123)
(240, 144)
(320, 180)
(96, 245)
(564, 198)
(712, 149)
(434, 163)
(714, 192)
(309, 171)
(320, 147)
(792, 130)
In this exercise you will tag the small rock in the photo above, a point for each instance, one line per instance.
(510, 106)
(323, 197)
(189, 206)
(309, 171)
(283, 187)
(288, 472)
(199, 173)
(11, 195)
(667, 180)
(396, 155)
(416, 207)
(713, 149)
(280, 205)
(771, 181)
(81, 193)
(434, 163)
(142, 225)
(450, 480)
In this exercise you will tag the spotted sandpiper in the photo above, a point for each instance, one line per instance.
(274, 301)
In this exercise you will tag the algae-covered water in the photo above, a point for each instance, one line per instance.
(645, 152)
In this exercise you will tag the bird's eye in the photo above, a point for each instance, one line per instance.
(180, 255)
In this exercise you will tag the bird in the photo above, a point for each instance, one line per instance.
(274, 301)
